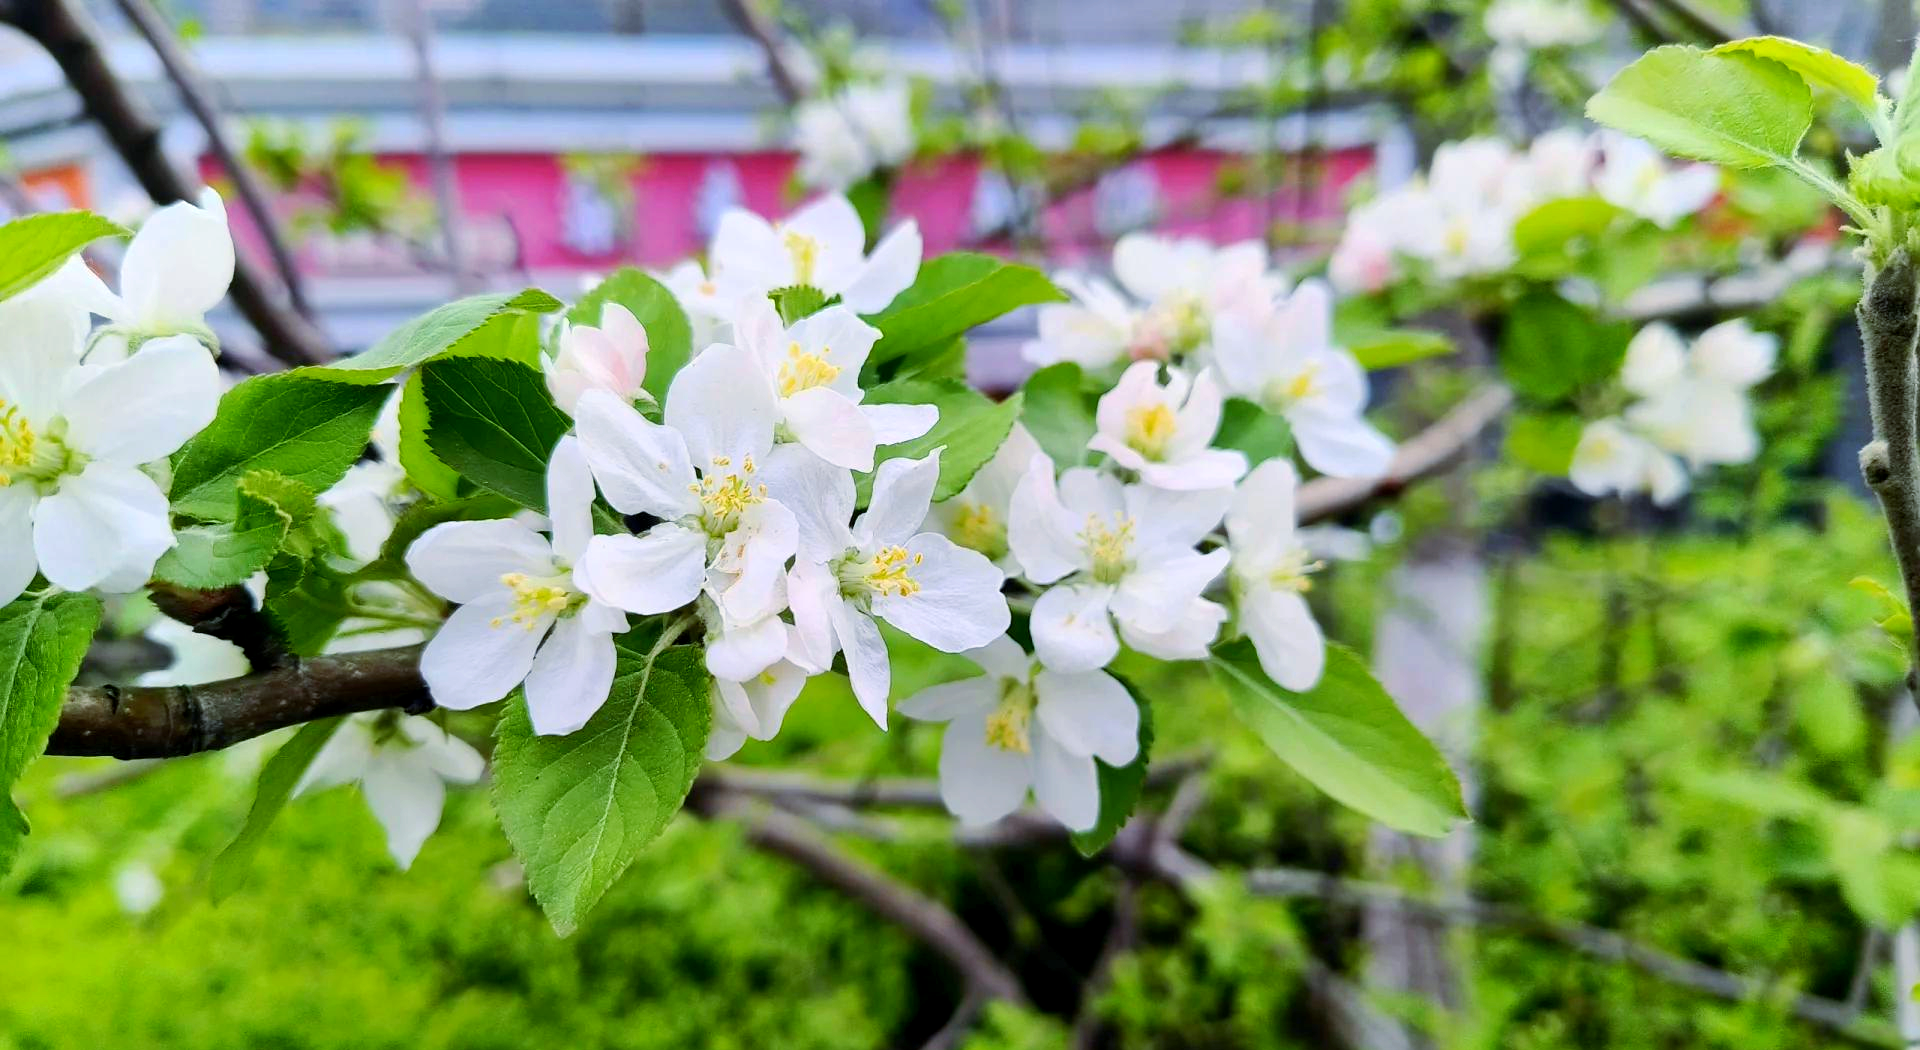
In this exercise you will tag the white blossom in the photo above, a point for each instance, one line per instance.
(524, 613)
(976, 517)
(820, 246)
(1163, 431)
(176, 269)
(611, 357)
(1270, 573)
(1635, 176)
(847, 136)
(403, 765)
(1094, 330)
(1019, 727)
(197, 658)
(709, 313)
(1536, 24)
(1612, 458)
(1116, 554)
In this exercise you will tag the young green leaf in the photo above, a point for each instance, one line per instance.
(306, 601)
(1822, 70)
(1551, 347)
(1395, 347)
(31, 248)
(1544, 441)
(292, 423)
(423, 468)
(435, 334)
(1057, 409)
(42, 641)
(1119, 786)
(1348, 737)
(971, 428)
(669, 335)
(952, 295)
(278, 777)
(224, 553)
(1261, 434)
(1734, 108)
(418, 518)
(495, 423)
(579, 808)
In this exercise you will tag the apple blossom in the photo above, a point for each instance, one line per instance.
(1535, 24)
(1269, 574)
(1018, 727)
(176, 269)
(611, 357)
(524, 614)
(976, 518)
(820, 246)
(1612, 458)
(1094, 330)
(708, 312)
(1115, 553)
(1163, 431)
(847, 136)
(881, 566)
(1636, 176)
(403, 765)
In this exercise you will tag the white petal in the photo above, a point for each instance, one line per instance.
(842, 339)
(1212, 468)
(1072, 630)
(739, 653)
(1188, 639)
(464, 560)
(144, 408)
(657, 572)
(40, 343)
(755, 554)
(893, 424)
(471, 662)
(570, 678)
(724, 740)
(980, 783)
(342, 760)
(1067, 785)
(179, 264)
(1340, 446)
(867, 663)
(104, 520)
(820, 495)
(1285, 636)
(902, 492)
(1655, 359)
(1002, 658)
(950, 700)
(1041, 532)
(831, 427)
(452, 758)
(406, 798)
(772, 693)
(1153, 596)
(570, 499)
(17, 562)
(721, 414)
(958, 605)
(1089, 714)
(642, 467)
(812, 593)
(887, 272)
(1262, 515)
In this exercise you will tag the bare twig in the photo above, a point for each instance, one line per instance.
(433, 117)
(1890, 462)
(198, 98)
(750, 20)
(1426, 453)
(59, 28)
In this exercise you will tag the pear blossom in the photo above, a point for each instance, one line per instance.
(847, 136)
(74, 504)
(176, 269)
(880, 567)
(611, 357)
(1163, 431)
(1287, 363)
(820, 246)
(813, 369)
(403, 765)
(700, 473)
(1116, 554)
(976, 517)
(1019, 727)
(1635, 176)
(1269, 576)
(524, 615)
(1612, 457)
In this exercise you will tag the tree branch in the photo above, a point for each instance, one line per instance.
(748, 18)
(1426, 453)
(1890, 462)
(61, 30)
(228, 614)
(198, 99)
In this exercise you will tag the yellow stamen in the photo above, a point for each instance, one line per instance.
(1150, 429)
(726, 494)
(535, 598)
(1009, 728)
(1290, 573)
(17, 443)
(805, 252)
(1109, 545)
(1296, 388)
(978, 528)
(889, 572)
(804, 371)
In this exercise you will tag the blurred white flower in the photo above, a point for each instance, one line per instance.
(1635, 176)
(1164, 431)
(1611, 458)
(1270, 573)
(138, 889)
(403, 765)
(976, 518)
(1536, 24)
(845, 137)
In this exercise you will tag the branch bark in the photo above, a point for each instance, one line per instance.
(750, 20)
(59, 28)
(1425, 454)
(198, 98)
(1890, 462)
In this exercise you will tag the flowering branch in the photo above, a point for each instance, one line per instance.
(1425, 454)
(1891, 462)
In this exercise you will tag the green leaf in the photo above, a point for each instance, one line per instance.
(423, 468)
(1544, 441)
(292, 423)
(1119, 786)
(306, 601)
(418, 518)
(579, 808)
(42, 641)
(1565, 227)
(952, 295)
(1820, 69)
(1057, 409)
(1732, 109)
(31, 248)
(1396, 347)
(799, 300)
(1348, 737)
(1551, 347)
(971, 427)
(669, 335)
(268, 507)
(1894, 618)
(278, 777)
(1261, 434)
(495, 423)
(435, 334)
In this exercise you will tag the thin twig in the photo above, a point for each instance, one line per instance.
(747, 17)
(440, 162)
(1427, 453)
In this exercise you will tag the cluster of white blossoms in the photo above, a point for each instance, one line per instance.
(89, 415)
(1458, 221)
(1690, 410)
(848, 135)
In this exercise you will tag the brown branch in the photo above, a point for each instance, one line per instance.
(228, 614)
(751, 21)
(59, 28)
(198, 98)
(167, 721)
(1426, 453)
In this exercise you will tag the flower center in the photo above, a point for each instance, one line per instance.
(1109, 546)
(1285, 393)
(1009, 728)
(978, 528)
(1150, 429)
(1458, 237)
(1292, 572)
(27, 454)
(725, 494)
(804, 371)
(536, 598)
(1177, 326)
(805, 253)
(17, 443)
(888, 573)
